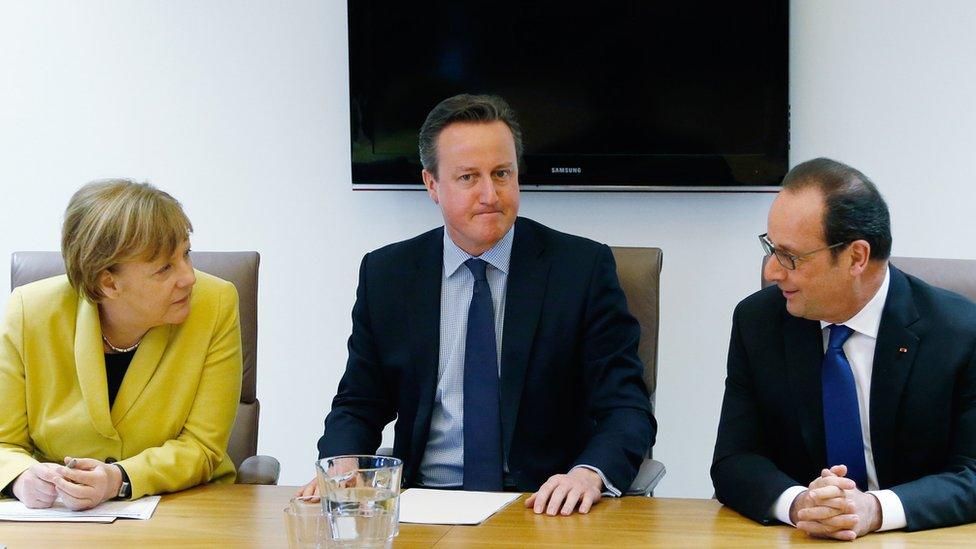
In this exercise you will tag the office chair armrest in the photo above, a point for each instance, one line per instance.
(651, 472)
(259, 470)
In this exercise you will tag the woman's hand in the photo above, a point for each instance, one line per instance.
(35, 487)
(88, 484)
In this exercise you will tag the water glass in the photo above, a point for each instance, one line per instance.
(306, 525)
(360, 499)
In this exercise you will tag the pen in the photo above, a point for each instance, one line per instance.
(72, 463)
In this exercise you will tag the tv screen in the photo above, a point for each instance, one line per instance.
(611, 95)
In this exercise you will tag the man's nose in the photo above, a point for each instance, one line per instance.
(773, 270)
(488, 193)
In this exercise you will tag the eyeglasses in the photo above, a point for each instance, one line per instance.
(786, 259)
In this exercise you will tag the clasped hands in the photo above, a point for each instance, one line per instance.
(833, 507)
(89, 483)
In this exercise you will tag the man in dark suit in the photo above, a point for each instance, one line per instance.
(850, 401)
(503, 349)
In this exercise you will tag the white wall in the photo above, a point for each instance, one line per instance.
(239, 109)
(889, 87)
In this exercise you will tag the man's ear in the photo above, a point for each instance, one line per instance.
(108, 284)
(431, 183)
(860, 253)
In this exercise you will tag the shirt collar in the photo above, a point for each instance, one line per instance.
(868, 319)
(499, 256)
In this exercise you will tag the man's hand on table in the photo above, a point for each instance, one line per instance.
(561, 493)
(310, 491)
(339, 468)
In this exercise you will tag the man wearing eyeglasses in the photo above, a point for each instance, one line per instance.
(850, 401)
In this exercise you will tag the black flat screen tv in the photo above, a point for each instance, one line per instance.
(674, 95)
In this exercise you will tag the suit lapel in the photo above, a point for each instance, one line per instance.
(894, 355)
(424, 319)
(803, 341)
(528, 273)
(141, 370)
(90, 365)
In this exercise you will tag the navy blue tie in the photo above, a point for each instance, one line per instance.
(842, 420)
(482, 418)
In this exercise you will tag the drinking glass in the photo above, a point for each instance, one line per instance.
(306, 525)
(360, 499)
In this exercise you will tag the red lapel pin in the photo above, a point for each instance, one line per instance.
(902, 349)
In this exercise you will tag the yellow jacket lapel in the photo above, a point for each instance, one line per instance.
(90, 364)
(141, 370)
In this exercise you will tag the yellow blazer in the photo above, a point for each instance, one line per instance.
(173, 414)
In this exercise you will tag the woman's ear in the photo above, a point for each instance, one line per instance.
(108, 284)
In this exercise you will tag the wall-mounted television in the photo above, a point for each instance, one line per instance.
(671, 95)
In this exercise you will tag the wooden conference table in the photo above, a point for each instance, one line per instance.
(251, 516)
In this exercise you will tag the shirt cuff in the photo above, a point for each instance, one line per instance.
(608, 489)
(892, 511)
(781, 509)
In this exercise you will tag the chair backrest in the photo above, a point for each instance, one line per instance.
(955, 275)
(240, 268)
(639, 271)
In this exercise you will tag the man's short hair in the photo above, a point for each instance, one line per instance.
(854, 209)
(465, 108)
(112, 221)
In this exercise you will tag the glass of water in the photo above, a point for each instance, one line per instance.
(306, 525)
(360, 499)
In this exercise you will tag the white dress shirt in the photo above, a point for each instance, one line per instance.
(859, 349)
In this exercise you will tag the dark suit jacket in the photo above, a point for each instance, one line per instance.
(571, 387)
(923, 404)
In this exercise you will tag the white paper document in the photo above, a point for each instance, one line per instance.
(425, 506)
(140, 509)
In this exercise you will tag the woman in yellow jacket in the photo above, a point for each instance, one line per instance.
(128, 368)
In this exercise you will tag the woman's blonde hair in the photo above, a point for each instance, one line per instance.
(112, 221)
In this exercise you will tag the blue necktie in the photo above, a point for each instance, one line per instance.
(842, 421)
(482, 418)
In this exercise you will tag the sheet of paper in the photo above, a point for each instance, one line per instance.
(140, 509)
(61, 518)
(425, 506)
